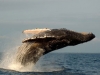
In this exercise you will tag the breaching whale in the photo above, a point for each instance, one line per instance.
(46, 40)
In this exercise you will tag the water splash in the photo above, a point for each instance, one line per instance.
(9, 60)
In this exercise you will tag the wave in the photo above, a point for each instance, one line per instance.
(62, 72)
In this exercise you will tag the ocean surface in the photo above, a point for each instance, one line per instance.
(60, 64)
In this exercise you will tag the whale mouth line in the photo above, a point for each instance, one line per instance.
(38, 38)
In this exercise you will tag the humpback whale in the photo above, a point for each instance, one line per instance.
(46, 40)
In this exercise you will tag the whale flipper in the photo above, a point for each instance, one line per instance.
(48, 40)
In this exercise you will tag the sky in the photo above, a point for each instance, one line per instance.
(76, 15)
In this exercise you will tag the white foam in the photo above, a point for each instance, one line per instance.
(18, 67)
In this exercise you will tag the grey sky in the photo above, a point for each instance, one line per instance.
(78, 15)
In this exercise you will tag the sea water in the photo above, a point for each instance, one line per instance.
(60, 64)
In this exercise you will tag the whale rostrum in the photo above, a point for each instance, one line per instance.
(46, 40)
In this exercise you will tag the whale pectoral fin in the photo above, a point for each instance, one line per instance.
(35, 31)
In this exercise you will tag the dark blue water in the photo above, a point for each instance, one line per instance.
(63, 64)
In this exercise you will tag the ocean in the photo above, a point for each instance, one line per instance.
(60, 64)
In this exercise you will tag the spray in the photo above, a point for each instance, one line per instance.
(8, 60)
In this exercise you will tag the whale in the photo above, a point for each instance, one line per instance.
(46, 40)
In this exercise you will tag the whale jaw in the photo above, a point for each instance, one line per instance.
(46, 41)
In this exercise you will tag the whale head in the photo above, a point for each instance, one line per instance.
(59, 38)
